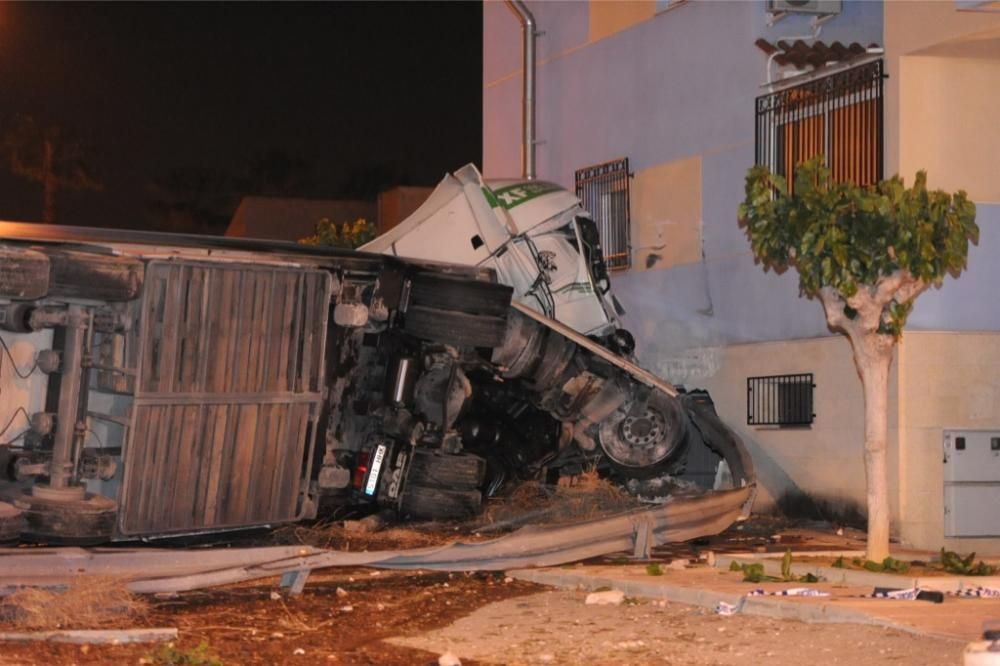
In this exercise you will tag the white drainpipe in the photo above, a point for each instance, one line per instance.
(528, 34)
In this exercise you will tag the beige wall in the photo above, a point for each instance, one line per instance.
(610, 16)
(947, 381)
(928, 28)
(666, 214)
(948, 123)
(939, 380)
(824, 461)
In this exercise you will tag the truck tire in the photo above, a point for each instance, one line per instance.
(86, 521)
(455, 328)
(440, 503)
(11, 523)
(102, 277)
(24, 274)
(649, 444)
(431, 469)
(468, 296)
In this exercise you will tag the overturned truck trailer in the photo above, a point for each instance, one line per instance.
(161, 385)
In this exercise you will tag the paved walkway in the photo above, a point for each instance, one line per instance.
(957, 618)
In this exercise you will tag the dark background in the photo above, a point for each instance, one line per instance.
(191, 105)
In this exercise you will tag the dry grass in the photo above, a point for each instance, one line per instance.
(89, 602)
(589, 496)
(333, 536)
(531, 502)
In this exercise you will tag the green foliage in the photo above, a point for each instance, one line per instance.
(754, 573)
(889, 564)
(838, 563)
(348, 235)
(895, 566)
(844, 236)
(955, 563)
(786, 564)
(654, 569)
(170, 655)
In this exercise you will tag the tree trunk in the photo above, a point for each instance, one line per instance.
(50, 184)
(873, 356)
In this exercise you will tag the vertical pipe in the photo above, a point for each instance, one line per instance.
(528, 34)
(61, 467)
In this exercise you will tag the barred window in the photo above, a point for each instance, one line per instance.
(780, 400)
(838, 116)
(604, 191)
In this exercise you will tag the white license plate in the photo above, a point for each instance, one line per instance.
(376, 466)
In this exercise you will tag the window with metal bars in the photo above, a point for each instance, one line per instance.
(838, 116)
(780, 400)
(604, 191)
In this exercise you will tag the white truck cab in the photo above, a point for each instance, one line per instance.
(536, 235)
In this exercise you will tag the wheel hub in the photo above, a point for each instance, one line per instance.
(644, 440)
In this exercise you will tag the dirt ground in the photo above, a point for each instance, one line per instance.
(556, 627)
(365, 616)
(410, 618)
(243, 624)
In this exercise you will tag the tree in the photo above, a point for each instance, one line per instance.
(50, 156)
(866, 254)
(348, 235)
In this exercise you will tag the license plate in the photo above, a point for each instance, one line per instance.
(375, 468)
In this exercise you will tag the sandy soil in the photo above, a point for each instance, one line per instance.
(243, 624)
(556, 627)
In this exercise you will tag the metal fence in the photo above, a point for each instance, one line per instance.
(838, 116)
(781, 400)
(604, 191)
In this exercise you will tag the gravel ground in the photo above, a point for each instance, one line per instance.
(556, 627)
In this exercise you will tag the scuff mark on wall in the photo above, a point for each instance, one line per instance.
(682, 352)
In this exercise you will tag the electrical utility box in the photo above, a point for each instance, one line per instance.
(971, 483)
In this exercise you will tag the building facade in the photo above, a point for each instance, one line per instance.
(677, 95)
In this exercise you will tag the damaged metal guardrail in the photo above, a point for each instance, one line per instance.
(165, 571)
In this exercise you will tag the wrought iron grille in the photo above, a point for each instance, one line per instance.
(604, 191)
(781, 400)
(838, 116)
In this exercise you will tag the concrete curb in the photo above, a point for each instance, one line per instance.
(772, 567)
(774, 607)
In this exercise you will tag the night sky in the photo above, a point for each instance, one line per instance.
(355, 96)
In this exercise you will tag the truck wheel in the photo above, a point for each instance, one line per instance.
(440, 503)
(455, 328)
(24, 274)
(11, 523)
(463, 471)
(102, 277)
(463, 295)
(650, 443)
(86, 521)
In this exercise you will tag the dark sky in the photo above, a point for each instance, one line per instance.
(349, 88)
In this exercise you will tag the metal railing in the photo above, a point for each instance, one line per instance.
(604, 191)
(780, 400)
(839, 116)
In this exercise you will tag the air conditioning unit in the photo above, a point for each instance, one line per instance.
(805, 6)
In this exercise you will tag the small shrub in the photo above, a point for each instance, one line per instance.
(654, 569)
(955, 563)
(839, 563)
(169, 655)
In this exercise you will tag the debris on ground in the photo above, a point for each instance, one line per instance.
(449, 659)
(722, 608)
(89, 602)
(605, 598)
(588, 497)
